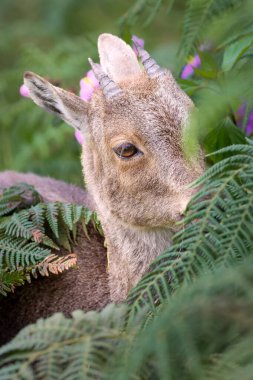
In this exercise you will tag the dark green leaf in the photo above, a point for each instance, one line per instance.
(225, 134)
(234, 52)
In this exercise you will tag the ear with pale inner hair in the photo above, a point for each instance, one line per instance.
(64, 104)
(117, 59)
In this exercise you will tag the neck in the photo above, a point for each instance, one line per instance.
(130, 252)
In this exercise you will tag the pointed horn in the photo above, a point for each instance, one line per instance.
(150, 65)
(108, 86)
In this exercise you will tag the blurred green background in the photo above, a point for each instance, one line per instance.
(54, 38)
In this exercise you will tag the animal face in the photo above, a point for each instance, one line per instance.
(135, 142)
(132, 155)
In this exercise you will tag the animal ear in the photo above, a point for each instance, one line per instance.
(117, 59)
(68, 106)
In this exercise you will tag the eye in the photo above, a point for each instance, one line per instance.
(126, 150)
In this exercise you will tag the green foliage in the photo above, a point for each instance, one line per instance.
(200, 325)
(31, 230)
(225, 134)
(143, 11)
(17, 253)
(198, 15)
(235, 51)
(38, 37)
(220, 85)
(218, 94)
(85, 339)
(9, 280)
(17, 197)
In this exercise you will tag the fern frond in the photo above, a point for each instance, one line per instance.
(143, 11)
(6, 208)
(37, 215)
(198, 14)
(45, 240)
(66, 348)
(77, 215)
(18, 196)
(65, 238)
(18, 225)
(204, 323)
(235, 363)
(216, 231)
(9, 281)
(52, 210)
(238, 31)
(15, 253)
(67, 214)
(61, 218)
(54, 264)
(27, 227)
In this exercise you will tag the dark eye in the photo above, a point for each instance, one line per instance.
(126, 150)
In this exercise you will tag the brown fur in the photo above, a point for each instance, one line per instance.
(138, 200)
(51, 190)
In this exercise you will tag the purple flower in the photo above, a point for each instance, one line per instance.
(90, 75)
(86, 89)
(249, 126)
(24, 91)
(192, 64)
(79, 137)
(87, 86)
(138, 41)
(239, 116)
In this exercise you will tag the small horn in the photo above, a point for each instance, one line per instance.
(150, 65)
(108, 86)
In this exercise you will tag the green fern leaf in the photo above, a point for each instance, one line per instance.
(45, 240)
(52, 211)
(7, 208)
(77, 213)
(16, 197)
(64, 236)
(9, 280)
(18, 225)
(37, 215)
(67, 214)
(15, 253)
